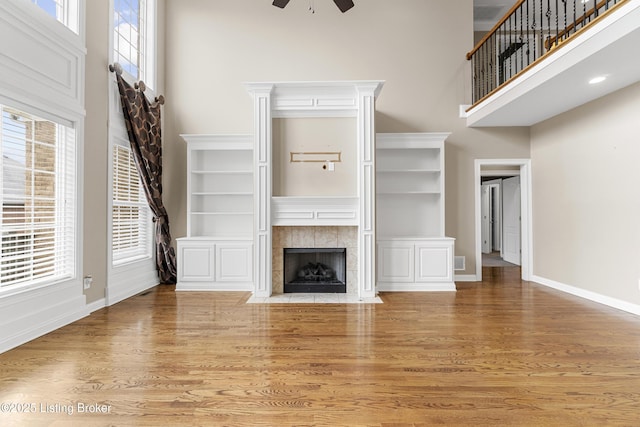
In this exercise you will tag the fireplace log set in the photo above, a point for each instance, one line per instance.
(316, 272)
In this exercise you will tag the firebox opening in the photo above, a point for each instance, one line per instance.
(315, 270)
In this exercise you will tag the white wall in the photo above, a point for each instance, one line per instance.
(417, 46)
(586, 202)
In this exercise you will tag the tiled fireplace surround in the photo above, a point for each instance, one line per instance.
(315, 237)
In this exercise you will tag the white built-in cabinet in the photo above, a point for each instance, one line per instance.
(217, 253)
(413, 252)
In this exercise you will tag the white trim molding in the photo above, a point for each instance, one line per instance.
(97, 305)
(526, 210)
(465, 278)
(30, 314)
(314, 99)
(589, 295)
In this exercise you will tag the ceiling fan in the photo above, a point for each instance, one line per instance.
(343, 5)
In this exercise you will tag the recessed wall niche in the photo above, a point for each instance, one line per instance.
(314, 135)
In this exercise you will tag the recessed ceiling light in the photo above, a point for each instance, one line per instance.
(598, 79)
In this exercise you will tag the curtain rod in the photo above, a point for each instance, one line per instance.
(117, 68)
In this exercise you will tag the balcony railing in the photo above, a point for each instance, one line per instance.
(530, 30)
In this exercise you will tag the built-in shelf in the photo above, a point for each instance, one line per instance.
(220, 185)
(413, 253)
(410, 184)
(217, 253)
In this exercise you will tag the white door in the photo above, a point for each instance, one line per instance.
(487, 244)
(511, 220)
(496, 217)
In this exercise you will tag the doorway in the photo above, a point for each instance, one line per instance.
(502, 213)
(500, 218)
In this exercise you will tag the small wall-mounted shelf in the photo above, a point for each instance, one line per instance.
(315, 156)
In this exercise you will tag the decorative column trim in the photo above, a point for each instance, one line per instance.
(367, 189)
(262, 188)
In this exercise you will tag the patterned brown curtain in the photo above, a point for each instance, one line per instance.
(143, 126)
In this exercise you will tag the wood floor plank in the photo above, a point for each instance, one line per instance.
(504, 352)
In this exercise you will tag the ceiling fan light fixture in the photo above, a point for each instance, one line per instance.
(280, 3)
(344, 5)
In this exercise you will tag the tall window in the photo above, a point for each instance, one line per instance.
(133, 41)
(133, 38)
(38, 200)
(65, 11)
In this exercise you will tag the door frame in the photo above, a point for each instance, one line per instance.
(526, 242)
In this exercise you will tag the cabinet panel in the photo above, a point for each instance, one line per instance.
(395, 262)
(234, 262)
(196, 262)
(434, 262)
(416, 265)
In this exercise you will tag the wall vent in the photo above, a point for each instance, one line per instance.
(459, 263)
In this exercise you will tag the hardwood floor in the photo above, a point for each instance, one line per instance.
(504, 353)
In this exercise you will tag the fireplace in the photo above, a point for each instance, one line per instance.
(315, 270)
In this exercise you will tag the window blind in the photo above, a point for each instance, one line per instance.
(38, 200)
(131, 234)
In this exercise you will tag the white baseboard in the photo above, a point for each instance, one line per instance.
(416, 287)
(33, 313)
(97, 305)
(214, 286)
(128, 280)
(466, 278)
(591, 296)
(117, 295)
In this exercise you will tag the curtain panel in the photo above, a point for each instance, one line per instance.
(143, 123)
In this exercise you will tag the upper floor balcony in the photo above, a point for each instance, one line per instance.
(545, 57)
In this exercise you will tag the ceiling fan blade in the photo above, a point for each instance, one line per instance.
(280, 3)
(343, 5)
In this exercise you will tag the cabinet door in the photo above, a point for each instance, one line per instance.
(234, 262)
(196, 261)
(434, 262)
(395, 262)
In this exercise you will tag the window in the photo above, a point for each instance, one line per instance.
(130, 213)
(38, 200)
(133, 43)
(65, 11)
(133, 38)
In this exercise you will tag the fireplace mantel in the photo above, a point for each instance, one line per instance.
(315, 99)
(315, 211)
